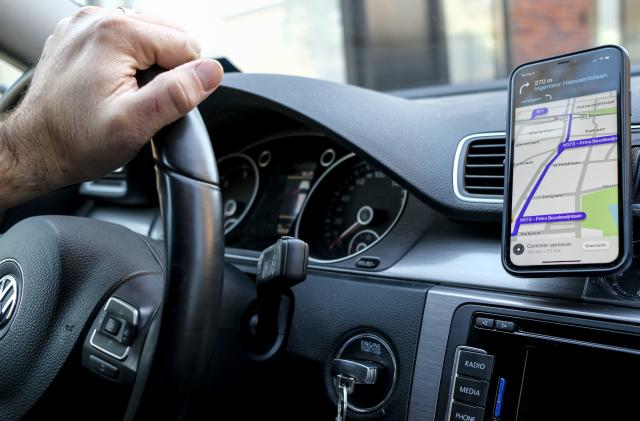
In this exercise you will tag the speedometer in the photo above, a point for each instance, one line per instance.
(351, 208)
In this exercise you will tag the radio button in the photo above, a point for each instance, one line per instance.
(472, 364)
(471, 391)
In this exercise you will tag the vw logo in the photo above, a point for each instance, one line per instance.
(8, 298)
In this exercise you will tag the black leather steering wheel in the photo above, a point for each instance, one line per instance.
(65, 268)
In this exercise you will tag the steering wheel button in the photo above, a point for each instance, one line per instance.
(109, 345)
(111, 325)
(118, 308)
(127, 334)
(100, 366)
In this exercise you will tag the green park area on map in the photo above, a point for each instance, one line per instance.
(601, 208)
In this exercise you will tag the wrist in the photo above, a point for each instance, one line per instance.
(24, 173)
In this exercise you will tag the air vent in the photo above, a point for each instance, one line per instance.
(112, 185)
(479, 168)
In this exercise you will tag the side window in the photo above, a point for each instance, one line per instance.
(8, 74)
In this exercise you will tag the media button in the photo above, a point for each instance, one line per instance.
(470, 391)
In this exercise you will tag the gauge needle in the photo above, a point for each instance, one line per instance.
(345, 234)
(363, 218)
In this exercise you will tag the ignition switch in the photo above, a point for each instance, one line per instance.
(369, 360)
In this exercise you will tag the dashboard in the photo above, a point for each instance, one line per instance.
(373, 182)
(404, 249)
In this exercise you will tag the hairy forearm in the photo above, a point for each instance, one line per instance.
(24, 174)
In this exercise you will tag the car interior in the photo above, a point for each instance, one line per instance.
(295, 248)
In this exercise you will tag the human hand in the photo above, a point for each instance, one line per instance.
(84, 113)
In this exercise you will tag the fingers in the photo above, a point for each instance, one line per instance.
(142, 41)
(170, 95)
(130, 13)
(156, 20)
(155, 44)
(151, 40)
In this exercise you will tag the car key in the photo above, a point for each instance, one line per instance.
(348, 374)
(345, 388)
(362, 372)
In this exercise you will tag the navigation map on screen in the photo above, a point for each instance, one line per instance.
(564, 201)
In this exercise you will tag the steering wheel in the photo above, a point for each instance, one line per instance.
(62, 278)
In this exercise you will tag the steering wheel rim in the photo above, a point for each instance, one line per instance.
(191, 206)
(192, 210)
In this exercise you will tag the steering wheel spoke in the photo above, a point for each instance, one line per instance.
(68, 267)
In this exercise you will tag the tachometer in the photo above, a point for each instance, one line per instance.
(239, 180)
(351, 208)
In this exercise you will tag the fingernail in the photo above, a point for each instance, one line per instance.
(210, 74)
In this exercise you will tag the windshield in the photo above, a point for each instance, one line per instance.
(397, 44)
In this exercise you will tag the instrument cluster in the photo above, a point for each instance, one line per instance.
(305, 185)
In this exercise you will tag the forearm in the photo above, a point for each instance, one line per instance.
(23, 173)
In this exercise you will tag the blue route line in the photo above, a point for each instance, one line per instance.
(516, 227)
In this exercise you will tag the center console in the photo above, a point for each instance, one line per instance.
(519, 365)
(524, 359)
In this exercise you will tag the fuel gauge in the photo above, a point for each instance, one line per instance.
(362, 240)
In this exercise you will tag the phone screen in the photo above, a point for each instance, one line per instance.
(565, 161)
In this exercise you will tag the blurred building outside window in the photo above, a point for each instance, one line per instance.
(394, 44)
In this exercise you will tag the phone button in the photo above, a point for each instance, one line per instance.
(464, 412)
(595, 245)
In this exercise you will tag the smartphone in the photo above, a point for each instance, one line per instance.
(567, 197)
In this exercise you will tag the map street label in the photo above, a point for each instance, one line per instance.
(580, 143)
(554, 217)
(538, 112)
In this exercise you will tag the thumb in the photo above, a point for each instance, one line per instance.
(172, 94)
